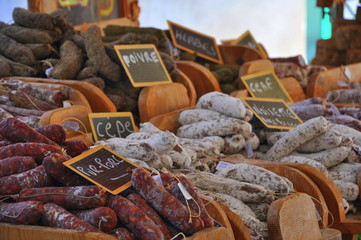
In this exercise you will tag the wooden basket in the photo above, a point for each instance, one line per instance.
(323, 82)
(180, 77)
(98, 101)
(236, 54)
(202, 79)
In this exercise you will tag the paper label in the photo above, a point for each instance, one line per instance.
(221, 165)
(184, 191)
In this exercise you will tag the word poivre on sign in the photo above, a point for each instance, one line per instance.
(195, 42)
(111, 125)
(274, 113)
(265, 85)
(143, 64)
(104, 168)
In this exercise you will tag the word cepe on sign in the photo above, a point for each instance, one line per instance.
(103, 130)
(143, 57)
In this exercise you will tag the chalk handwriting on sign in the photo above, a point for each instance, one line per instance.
(104, 168)
(111, 125)
(191, 41)
(265, 85)
(247, 39)
(274, 113)
(143, 64)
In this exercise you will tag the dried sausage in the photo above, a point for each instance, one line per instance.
(13, 165)
(54, 132)
(75, 147)
(103, 218)
(29, 212)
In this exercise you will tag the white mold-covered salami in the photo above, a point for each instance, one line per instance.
(233, 144)
(131, 148)
(253, 174)
(296, 137)
(199, 115)
(207, 146)
(180, 156)
(346, 205)
(346, 167)
(347, 132)
(245, 192)
(220, 127)
(273, 137)
(223, 103)
(149, 128)
(260, 209)
(139, 136)
(139, 162)
(304, 160)
(254, 140)
(349, 191)
(327, 140)
(343, 176)
(329, 157)
(166, 161)
(231, 202)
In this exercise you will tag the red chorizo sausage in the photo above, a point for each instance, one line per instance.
(18, 164)
(140, 202)
(135, 219)
(4, 143)
(122, 234)
(54, 166)
(54, 132)
(36, 150)
(75, 147)
(13, 184)
(79, 197)
(29, 212)
(15, 131)
(56, 216)
(103, 218)
(166, 204)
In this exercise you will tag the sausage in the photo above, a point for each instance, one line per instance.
(4, 143)
(22, 111)
(135, 219)
(54, 166)
(122, 234)
(346, 120)
(27, 101)
(32, 121)
(15, 131)
(75, 147)
(54, 132)
(308, 101)
(219, 127)
(36, 150)
(103, 218)
(29, 212)
(196, 204)
(13, 184)
(140, 202)
(223, 103)
(306, 112)
(165, 204)
(56, 216)
(296, 137)
(79, 197)
(13, 165)
(199, 115)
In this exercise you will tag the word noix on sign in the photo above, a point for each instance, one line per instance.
(104, 168)
(191, 41)
(143, 64)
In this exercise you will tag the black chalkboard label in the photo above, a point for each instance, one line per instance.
(111, 125)
(88, 11)
(274, 113)
(265, 85)
(191, 41)
(104, 168)
(247, 39)
(143, 64)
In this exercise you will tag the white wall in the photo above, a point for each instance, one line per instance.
(279, 25)
(7, 6)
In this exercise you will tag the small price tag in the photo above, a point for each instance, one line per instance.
(249, 149)
(221, 165)
(71, 125)
(347, 73)
(184, 191)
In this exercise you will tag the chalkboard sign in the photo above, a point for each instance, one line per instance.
(191, 41)
(111, 125)
(143, 64)
(88, 11)
(265, 85)
(247, 39)
(104, 168)
(274, 113)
